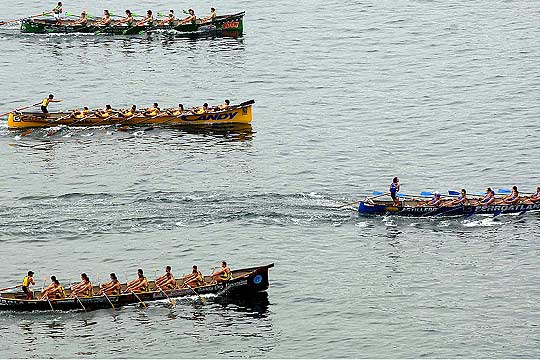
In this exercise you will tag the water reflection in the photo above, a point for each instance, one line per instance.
(255, 305)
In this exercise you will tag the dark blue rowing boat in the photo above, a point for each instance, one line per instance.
(412, 208)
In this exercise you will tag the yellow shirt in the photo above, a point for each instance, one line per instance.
(45, 102)
(26, 281)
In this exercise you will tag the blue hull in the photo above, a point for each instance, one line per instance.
(377, 208)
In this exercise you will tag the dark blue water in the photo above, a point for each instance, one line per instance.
(348, 95)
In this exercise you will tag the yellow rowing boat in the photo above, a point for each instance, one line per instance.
(235, 114)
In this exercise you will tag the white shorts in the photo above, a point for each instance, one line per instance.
(58, 16)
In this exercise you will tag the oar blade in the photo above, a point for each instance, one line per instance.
(504, 191)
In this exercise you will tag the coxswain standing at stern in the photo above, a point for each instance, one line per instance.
(46, 102)
(28, 279)
(57, 11)
(394, 188)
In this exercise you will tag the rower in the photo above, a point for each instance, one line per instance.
(153, 111)
(223, 274)
(106, 20)
(434, 201)
(166, 281)
(79, 114)
(488, 199)
(82, 21)
(191, 18)
(57, 11)
(534, 198)
(210, 17)
(54, 291)
(177, 112)
(195, 279)
(140, 284)
(130, 112)
(394, 188)
(513, 198)
(113, 287)
(28, 279)
(169, 19)
(203, 109)
(224, 106)
(128, 20)
(105, 113)
(84, 288)
(148, 20)
(461, 200)
(46, 102)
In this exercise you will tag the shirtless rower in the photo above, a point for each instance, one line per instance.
(113, 287)
(191, 18)
(148, 20)
(169, 20)
(225, 106)
(128, 20)
(210, 17)
(140, 284)
(82, 21)
(84, 288)
(223, 274)
(106, 20)
(194, 279)
(166, 281)
(54, 291)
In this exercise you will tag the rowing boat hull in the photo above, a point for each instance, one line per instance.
(245, 285)
(226, 25)
(410, 208)
(240, 114)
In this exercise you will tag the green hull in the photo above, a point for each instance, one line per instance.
(226, 25)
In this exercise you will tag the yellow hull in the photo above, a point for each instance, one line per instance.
(241, 114)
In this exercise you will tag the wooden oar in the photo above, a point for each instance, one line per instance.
(203, 300)
(49, 301)
(376, 193)
(138, 298)
(9, 288)
(173, 303)
(31, 17)
(80, 302)
(19, 109)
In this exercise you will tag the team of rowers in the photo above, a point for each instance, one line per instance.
(165, 282)
(489, 198)
(129, 19)
(153, 111)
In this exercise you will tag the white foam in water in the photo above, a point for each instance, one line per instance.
(485, 222)
(362, 224)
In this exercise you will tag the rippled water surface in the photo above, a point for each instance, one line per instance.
(348, 94)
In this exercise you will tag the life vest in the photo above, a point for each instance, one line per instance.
(225, 276)
(90, 291)
(60, 293)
